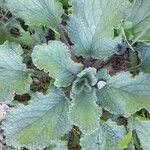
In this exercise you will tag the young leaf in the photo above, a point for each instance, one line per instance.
(84, 111)
(140, 17)
(86, 79)
(144, 54)
(40, 123)
(124, 94)
(55, 58)
(91, 27)
(106, 137)
(14, 77)
(37, 12)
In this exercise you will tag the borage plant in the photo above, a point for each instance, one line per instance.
(98, 93)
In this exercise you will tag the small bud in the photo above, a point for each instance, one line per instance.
(101, 84)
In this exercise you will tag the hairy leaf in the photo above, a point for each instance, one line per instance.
(13, 32)
(144, 54)
(37, 12)
(55, 58)
(142, 128)
(124, 94)
(85, 80)
(2, 2)
(14, 77)
(106, 137)
(140, 17)
(43, 121)
(91, 27)
(84, 111)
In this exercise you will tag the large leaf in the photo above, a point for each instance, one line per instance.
(91, 27)
(140, 17)
(124, 94)
(84, 111)
(55, 58)
(14, 77)
(144, 55)
(37, 12)
(43, 121)
(106, 137)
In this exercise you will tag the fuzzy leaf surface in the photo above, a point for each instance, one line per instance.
(14, 77)
(41, 122)
(106, 137)
(13, 32)
(37, 12)
(142, 128)
(124, 94)
(91, 27)
(85, 80)
(144, 55)
(140, 17)
(2, 2)
(84, 111)
(55, 58)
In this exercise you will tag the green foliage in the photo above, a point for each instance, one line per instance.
(14, 77)
(106, 137)
(127, 94)
(60, 66)
(84, 112)
(140, 17)
(44, 119)
(92, 85)
(144, 54)
(91, 26)
(37, 12)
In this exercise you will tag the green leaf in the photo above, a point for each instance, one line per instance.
(106, 137)
(2, 2)
(20, 36)
(124, 94)
(144, 55)
(84, 112)
(14, 77)
(61, 146)
(55, 58)
(91, 27)
(40, 123)
(140, 17)
(37, 12)
(142, 128)
(85, 80)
